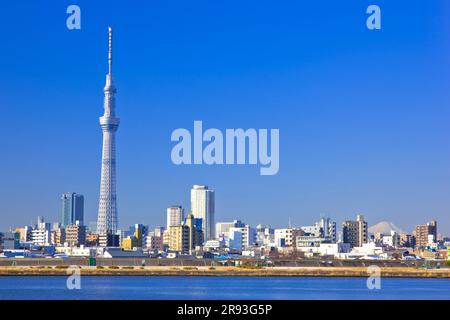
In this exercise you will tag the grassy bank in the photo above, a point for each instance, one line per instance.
(227, 271)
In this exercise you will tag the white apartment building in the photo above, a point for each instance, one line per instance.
(223, 228)
(392, 240)
(175, 216)
(41, 236)
(245, 234)
(80, 251)
(327, 249)
(203, 207)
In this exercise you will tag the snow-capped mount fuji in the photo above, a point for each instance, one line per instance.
(385, 227)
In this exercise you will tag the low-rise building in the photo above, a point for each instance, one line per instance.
(119, 253)
(109, 240)
(80, 251)
(310, 241)
(368, 249)
(327, 249)
(59, 236)
(9, 241)
(223, 228)
(92, 239)
(128, 243)
(392, 240)
(25, 233)
(154, 243)
(265, 236)
(407, 240)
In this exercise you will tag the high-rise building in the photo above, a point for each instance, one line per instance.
(355, 233)
(107, 210)
(202, 207)
(426, 234)
(72, 208)
(175, 216)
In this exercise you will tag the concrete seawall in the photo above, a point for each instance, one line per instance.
(152, 262)
(62, 270)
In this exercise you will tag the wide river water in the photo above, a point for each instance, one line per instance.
(211, 288)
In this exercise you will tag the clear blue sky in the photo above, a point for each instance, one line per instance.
(364, 116)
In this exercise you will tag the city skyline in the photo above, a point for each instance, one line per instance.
(346, 152)
(203, 201)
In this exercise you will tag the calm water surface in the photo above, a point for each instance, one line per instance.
(193, 288)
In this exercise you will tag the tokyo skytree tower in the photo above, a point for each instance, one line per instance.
(107, 208)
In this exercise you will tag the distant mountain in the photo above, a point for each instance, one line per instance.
(385, 227)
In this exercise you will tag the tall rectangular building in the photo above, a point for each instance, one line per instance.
(179, 239)
(202, 207)
(41, 235)
(76, 234)
(175, 216)
(58, 236)
(72, 206)
(355, 233)
(329, 228)
(424, 233)
(139, 234)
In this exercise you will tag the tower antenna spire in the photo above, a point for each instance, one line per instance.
(107, 208)
(110, 31)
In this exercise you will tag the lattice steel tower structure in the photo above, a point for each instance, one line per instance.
(107, 208)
